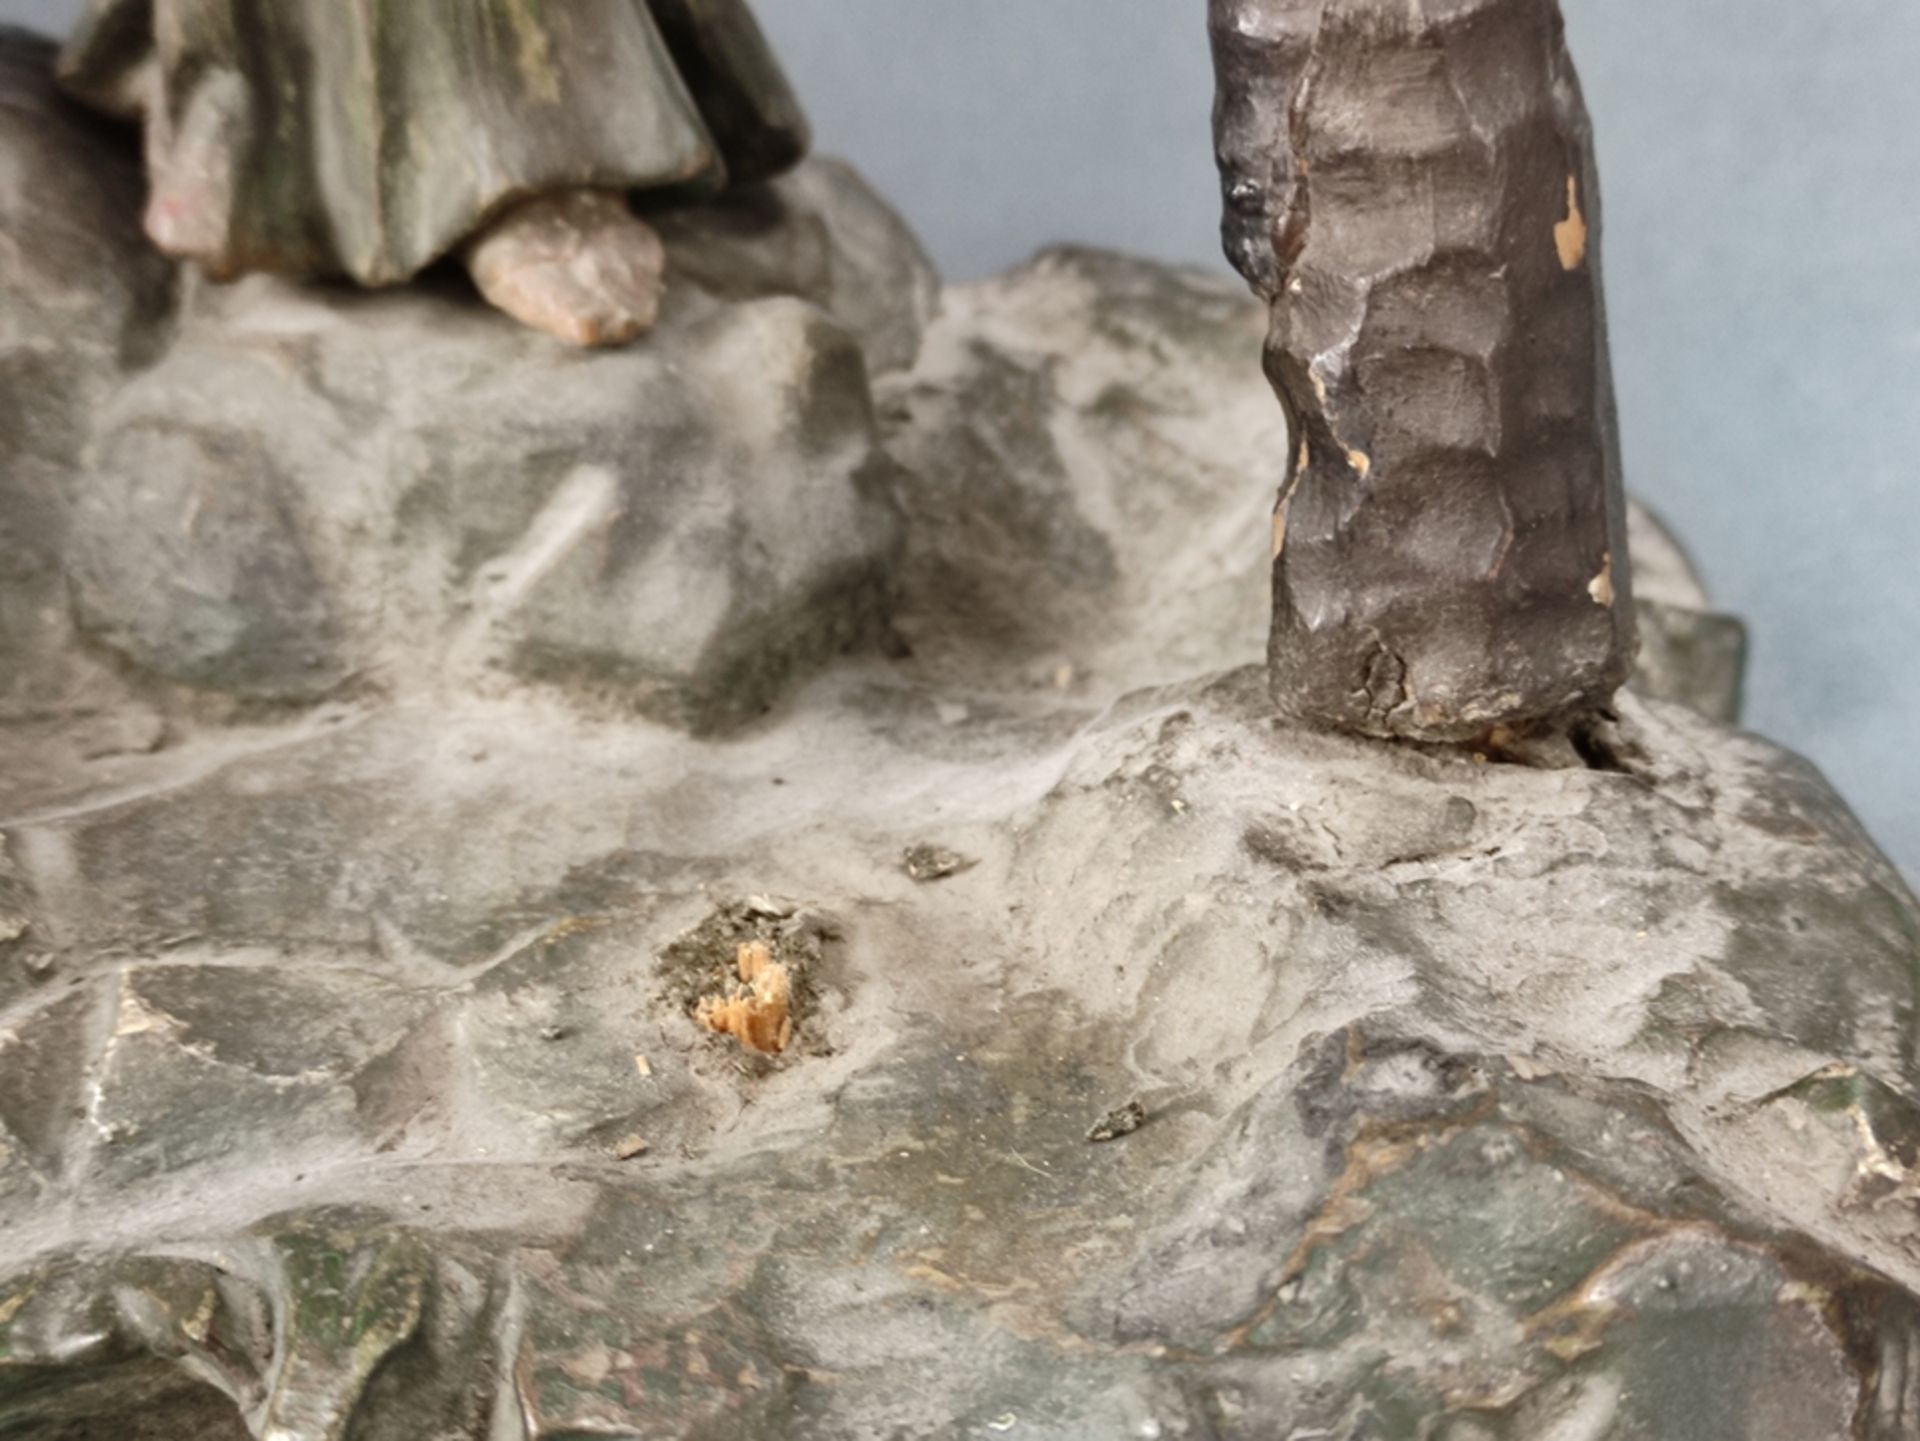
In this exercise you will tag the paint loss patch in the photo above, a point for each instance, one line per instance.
(750, 972)
(1601, 586)
(1570, 235)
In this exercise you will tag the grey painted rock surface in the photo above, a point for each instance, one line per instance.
(1478, 1097)
(81, 298)
(338, 491)
(348, 1085)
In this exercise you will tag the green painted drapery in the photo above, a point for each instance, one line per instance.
(371, 137)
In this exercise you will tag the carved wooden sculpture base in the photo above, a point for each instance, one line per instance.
(1100, 1063)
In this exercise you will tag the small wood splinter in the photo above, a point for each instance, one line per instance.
(759, 1011)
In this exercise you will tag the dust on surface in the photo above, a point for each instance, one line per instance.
(934, 863)
(1121, 1121)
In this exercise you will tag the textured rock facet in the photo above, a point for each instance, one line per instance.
(83, 298)
(1412, 190)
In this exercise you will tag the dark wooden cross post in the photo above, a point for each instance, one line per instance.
(1410, 185)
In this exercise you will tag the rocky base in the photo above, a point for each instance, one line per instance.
(348, 1081)
(358, 1080)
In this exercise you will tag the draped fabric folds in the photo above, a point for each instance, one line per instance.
(370, 137)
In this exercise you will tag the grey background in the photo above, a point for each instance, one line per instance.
(1762, 164)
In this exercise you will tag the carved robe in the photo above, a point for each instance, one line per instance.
(371, 137)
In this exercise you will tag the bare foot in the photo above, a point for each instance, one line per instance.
(578, 264)
(190, 170)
